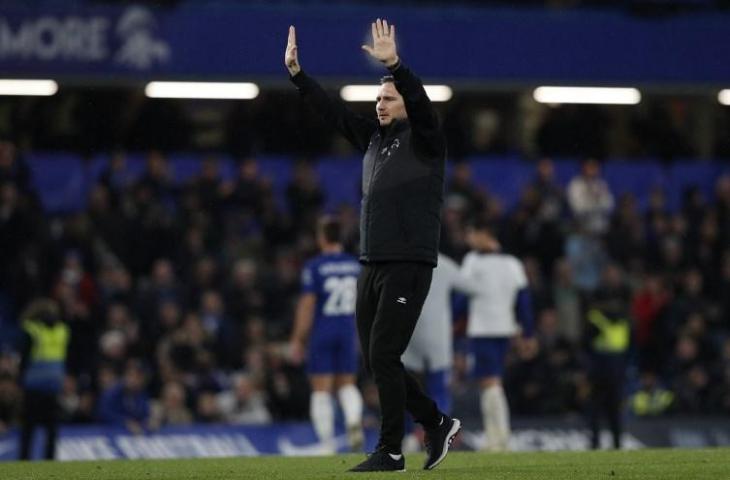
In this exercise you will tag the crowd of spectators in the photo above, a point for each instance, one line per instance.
(180, 297)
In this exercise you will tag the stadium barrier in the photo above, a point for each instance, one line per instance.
(297, 439)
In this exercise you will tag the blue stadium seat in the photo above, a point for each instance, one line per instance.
(60, 181)
(341, 179)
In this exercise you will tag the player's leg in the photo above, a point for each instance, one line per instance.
(489, 356)
(352, 404)
(321, 362)
(321, 410)
(347, 391)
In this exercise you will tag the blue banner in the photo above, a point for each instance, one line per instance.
(106, 443)
(472, 46)
(296, 439)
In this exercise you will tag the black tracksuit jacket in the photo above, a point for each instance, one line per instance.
(403, 171)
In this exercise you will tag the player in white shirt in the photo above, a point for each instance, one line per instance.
(430, 351)
(493, 322)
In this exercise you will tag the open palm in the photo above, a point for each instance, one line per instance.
(383, 48)
(291, 57)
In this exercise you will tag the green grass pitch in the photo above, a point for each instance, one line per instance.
(666, 464)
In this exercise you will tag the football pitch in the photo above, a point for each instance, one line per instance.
(686, 464)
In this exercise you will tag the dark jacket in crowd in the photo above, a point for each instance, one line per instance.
(403, 171)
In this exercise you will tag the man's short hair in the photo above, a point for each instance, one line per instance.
(330, 229)
(387, 79)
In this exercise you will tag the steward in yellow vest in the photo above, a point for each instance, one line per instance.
(43, 367)
(608, 339)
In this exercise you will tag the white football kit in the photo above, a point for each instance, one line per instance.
(500, 278)
(431, 346)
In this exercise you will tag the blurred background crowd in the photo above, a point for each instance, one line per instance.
(180, 296)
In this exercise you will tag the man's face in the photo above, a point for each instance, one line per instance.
(389, 105)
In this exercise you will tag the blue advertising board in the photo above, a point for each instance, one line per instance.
(469, 45)
(98, 442)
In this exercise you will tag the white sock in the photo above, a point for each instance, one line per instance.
(495, 413)
(351, 402)
(322, 414)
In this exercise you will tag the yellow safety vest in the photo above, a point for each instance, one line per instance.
(49, 341)
(613, 336)
(645, 403)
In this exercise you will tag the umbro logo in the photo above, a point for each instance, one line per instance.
(401, 300)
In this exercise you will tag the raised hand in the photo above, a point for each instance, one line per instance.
(383, 48)
(291, 59)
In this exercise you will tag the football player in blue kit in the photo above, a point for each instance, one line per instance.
(325, 319)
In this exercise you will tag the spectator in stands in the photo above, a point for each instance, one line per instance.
(207, 409)
(109, 224)
(567, 301)
(19, 233)
(243, 296)
(161, 285)
(651, 399)
(170, 409)
(590, 198)
(207, 185)
(721, 392)
(244, 404)
(649, 310)
(722, 292)
(204, 277)
(156, 179)
(246, 194)
(586, 256)
(14, 168)
(116, 177)
(77, 401)
(528, 380)
(126, 404)
(10, 402)
(550, 213)
(462, 193)
(305, 198)
(722, 207)
(625, 241)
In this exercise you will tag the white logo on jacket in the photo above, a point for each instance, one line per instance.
(388, 151)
